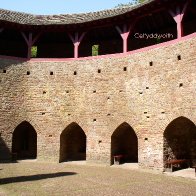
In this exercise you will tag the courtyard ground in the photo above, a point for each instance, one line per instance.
(35, 178)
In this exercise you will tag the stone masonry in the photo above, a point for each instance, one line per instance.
(147, 90)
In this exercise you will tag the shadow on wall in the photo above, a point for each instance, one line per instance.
(34, 177)
(180, 140)
(5, 153)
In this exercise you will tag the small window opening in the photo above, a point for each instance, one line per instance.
(179, 57)
(75, 72)
(125, 68)
(28, 72)
(146, 139)
(51, 73)
(181, 84)
(94, 119)
(151, 63)
(67, 91)
(43, 113)
(95, 50)
(44, 92)
(147, 87)
(99, 71)
(4, 71)
(94, 91)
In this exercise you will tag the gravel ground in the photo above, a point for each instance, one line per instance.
(33, 178)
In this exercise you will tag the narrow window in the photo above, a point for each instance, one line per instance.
(51, 73)
(99, 71)
(28, 72)
(75, 72)
(125, 68)
(151, 63)
(181, 84)
(4, 71)
(179, 57)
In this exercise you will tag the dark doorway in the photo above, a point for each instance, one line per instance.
(24, 141)
(180, 141)
(124, 142)
(72, 143)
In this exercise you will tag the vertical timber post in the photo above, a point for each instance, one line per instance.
(30, 41)
(76, 39)
(124, 33)
(178, 15)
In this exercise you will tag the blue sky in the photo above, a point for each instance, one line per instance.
(59, 6)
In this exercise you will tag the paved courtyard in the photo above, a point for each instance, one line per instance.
(33, 178)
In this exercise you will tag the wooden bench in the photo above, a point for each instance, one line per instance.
(117, 159)
(171, 163)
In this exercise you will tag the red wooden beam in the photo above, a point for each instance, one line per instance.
(124, 33)
(178, 15)
(76, 39)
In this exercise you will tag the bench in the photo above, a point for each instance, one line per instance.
(117, 159)
(171, 163)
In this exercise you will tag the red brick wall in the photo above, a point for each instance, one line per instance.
(147, 97)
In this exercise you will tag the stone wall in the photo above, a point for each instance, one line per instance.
(147, 90)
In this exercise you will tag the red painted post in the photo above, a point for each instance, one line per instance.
(124, 33)
(178, 15)
(30, 41)
(76, 39)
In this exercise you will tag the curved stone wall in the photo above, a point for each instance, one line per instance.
(147, 90)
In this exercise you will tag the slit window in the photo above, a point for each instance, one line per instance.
(179, 57)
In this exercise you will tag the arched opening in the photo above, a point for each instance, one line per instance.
(72, 143)
(124, 142)
(24, 141)
(180, 141)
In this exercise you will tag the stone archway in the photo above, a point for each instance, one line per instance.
(124, 142)
(72, 143)
(24, 141)
(180, 141)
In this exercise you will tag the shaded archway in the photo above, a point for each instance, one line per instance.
(24, 141)
(72, 143)
(180, 141)
(124, 142)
